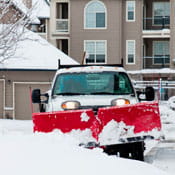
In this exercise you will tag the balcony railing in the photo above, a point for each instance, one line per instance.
(156, 62)
(156, 23)
(62, 25)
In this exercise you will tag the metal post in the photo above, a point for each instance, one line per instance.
(59, 62)
(163, 22)
(160, 87)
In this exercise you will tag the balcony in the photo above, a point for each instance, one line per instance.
(156, 23)
(156, 27)
(156, 62)
(62, 25)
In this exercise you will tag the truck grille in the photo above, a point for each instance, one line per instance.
(94, 108)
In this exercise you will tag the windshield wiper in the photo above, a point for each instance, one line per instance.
(69, 93)
(101, 93)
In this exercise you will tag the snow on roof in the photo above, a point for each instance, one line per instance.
(36, 53)
(41, 8)
(21, 6)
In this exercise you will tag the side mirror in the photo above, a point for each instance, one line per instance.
(149, 93)
(36, 96)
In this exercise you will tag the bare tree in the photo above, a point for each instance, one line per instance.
(13, 24)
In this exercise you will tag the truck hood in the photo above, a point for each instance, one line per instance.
(86, 100)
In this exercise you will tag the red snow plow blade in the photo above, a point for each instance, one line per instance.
(66, 121)
(144, 117)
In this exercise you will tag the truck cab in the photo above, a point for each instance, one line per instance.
(88, 87)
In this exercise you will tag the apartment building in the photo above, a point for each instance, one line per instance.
(139, 33)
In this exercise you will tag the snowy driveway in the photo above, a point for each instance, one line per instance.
(163, 156)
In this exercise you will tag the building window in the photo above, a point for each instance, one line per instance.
(63, 45)
(161, 12)
(130, 51)
(95, 15)
(161, 52)
(62, 17)
(130, 10)
(95, 51)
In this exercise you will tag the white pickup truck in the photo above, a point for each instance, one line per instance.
(90, 97)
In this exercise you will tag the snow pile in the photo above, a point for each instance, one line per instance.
(171, 102)
(167, 120)
(82, 137)
(55, 153)
(15, 127)
(113, 131)
(167, 114)
(24, 152)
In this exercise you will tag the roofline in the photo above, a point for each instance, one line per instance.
(11, 69)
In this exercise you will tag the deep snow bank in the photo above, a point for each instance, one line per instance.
(23, 152)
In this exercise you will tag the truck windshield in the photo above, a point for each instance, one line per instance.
(92, 83)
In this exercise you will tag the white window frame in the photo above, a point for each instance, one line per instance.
(134, 11)
(105, 42)
(134, 51)
(95, 28)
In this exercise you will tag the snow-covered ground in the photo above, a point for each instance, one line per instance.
(168, 120)
(164, 157)
(24, 152)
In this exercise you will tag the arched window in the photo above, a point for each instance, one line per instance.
(95, 15)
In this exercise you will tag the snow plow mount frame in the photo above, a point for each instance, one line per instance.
(131, 150)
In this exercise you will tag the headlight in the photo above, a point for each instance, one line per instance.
(120, 102)
(70, 105)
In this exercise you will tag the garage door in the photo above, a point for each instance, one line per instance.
(1, 98)
(23, 109)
